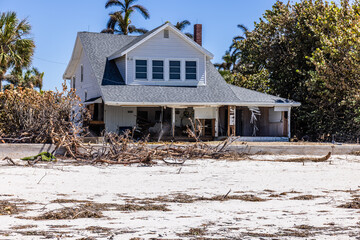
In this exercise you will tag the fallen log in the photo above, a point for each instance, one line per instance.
(309, 159)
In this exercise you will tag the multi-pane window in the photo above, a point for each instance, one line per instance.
(175, 70)
(190, 70)
(158, 70)
(141, 69)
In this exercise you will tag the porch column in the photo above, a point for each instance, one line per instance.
(289, 122)
(231, 120)
(216, 122)
(173, 121)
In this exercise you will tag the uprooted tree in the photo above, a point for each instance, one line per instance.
(58, 117)
(29, 116)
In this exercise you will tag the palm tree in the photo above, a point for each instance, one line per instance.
(37, 78)
(15, 49)
(117, 24)
(238, 38)
(229, 61)
(182, 25)
(120, 21)
(29, 79)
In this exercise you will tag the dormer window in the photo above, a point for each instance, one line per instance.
(141, 69)
(158, 70)
(175, 70)
(190, 69)
(168, 71)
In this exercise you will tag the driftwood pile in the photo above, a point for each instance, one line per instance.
(28, 116)
(124, 150)
(58, 117)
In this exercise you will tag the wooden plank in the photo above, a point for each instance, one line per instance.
(97, 122)
(202, 127)
(173, 121)
(213, 127)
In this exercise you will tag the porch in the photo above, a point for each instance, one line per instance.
(165, 123)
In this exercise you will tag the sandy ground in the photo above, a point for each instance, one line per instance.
(279, 216)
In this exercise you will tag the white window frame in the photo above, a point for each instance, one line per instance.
(197, 69)
(151, 74)
(181, 69)
(167, 70)
(148, 78)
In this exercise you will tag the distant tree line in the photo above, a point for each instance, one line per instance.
(16, 51)
(309, 52)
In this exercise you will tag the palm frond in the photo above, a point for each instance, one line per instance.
(243, 28)
(16, 49)
(112, 3)
(108, 30)
(142, 10)
(190, 35)
(133, 29)
(182, 25)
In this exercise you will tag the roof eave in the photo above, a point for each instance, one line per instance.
(67, 74)
(244, 104)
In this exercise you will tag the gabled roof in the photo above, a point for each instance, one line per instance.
(143, 38)
(97, 47)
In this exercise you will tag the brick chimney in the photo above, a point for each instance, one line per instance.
(198, 34)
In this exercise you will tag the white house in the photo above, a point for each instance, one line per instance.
(161, 80)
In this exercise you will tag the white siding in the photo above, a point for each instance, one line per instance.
(274, 117)
(205, 113)
(121, 64)
(116, 117)
(162, 48)
(89, 83)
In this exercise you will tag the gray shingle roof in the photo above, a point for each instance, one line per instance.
(99, 46)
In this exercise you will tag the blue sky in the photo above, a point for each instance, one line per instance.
(55, 24)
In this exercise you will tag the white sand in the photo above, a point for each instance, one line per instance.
(233, 219)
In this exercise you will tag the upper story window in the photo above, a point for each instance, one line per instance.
(82, 73)
(158, 70)
(190, 70)
(175, 70)
(74, 82)
(86, 96)
(141, 69)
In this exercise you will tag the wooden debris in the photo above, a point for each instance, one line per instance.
(310, 159)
